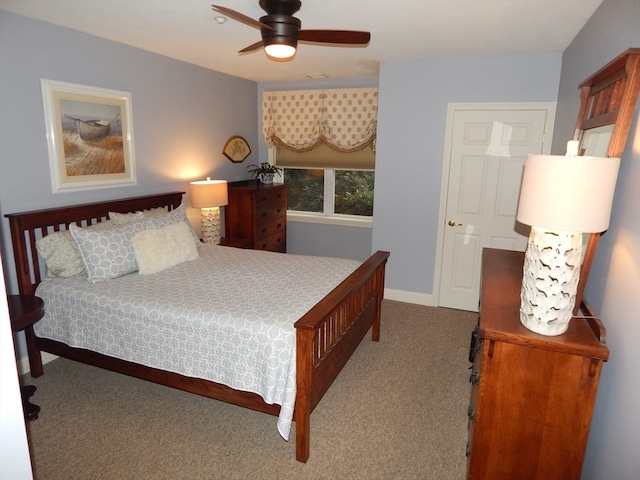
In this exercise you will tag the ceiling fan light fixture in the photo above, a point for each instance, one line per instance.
(281, 31)
(280, 50)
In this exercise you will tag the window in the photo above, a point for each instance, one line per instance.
(345, 190)
(340, 192)
(324, 140)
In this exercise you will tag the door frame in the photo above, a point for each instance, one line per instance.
(452, 108)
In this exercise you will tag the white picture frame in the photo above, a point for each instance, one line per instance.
(89, 136)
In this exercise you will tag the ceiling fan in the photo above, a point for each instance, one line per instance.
(281, 30)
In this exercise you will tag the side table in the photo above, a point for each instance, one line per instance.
(235, 242)
(24, 311)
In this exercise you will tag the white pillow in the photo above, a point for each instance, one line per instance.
(160, 248)
(176, 215)
(107, 252)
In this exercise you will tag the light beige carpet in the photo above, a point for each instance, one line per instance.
(397, 411)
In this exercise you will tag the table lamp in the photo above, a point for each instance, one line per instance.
(561, 197)
(209, 195)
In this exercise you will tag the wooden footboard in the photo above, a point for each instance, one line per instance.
(329, 333)
(325, 337)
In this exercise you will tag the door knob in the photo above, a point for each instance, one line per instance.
(452, 223)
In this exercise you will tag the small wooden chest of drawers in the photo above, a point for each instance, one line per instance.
(258, 212)
(532, 396)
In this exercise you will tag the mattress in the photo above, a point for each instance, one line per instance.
(226, 317)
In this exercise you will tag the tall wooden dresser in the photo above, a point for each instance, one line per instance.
(258, 212)
(532, 396)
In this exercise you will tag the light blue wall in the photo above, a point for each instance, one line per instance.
(411, 132)
(182, 115)
(613, 288)
(410, 150)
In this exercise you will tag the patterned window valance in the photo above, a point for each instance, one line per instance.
(344, 119)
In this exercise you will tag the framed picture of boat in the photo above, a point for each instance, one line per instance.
(89, 135)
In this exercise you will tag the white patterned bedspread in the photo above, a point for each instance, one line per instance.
(227, 317)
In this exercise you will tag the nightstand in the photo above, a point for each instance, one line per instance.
(25, 311)
(235, 242)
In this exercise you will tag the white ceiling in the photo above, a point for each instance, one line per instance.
(400, 30)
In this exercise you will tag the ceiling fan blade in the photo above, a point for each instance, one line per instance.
(252, 48)
(241, 17)
(352, 37)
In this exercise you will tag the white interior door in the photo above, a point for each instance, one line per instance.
(487, 153)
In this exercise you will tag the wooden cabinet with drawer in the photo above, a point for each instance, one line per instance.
(258, 212)
(532, 396)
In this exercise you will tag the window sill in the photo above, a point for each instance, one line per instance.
(344, 220)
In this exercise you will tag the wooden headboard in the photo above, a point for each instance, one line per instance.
(27, 227)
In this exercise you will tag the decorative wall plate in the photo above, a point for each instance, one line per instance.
(236, 149)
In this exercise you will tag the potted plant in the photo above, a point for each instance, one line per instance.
(265, 171)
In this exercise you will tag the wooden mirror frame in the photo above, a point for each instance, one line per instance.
(609, 97)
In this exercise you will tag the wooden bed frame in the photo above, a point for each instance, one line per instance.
(326, 335)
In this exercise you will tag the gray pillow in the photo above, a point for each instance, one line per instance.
(107, 252)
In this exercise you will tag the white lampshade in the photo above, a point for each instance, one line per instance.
(569, 194)
(209, 193)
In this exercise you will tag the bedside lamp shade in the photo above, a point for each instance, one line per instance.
(561, 197)
(208, 196)
(571, 194)
(209, 193)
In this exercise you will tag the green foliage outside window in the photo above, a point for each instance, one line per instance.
(306, 189)
(353, 191)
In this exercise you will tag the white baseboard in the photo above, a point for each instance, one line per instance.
(23, 363)
(410, 297)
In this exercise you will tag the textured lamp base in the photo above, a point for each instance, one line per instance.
(210, 224)
(550, 281)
